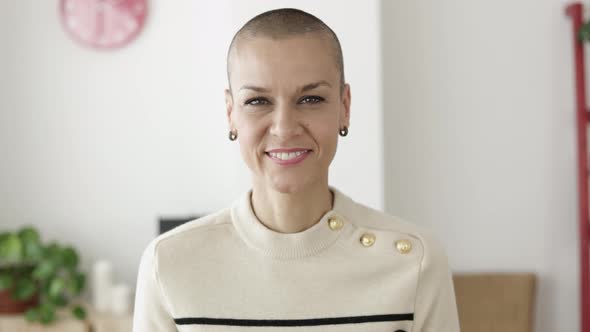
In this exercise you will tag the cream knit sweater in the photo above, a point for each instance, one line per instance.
(357, 269)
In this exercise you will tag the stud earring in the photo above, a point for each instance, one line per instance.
(232, 136)
(344, 131)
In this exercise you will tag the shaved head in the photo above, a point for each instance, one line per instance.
(285, 23)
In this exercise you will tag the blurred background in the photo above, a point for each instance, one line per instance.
(462, 119)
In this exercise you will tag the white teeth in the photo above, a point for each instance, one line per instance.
(286, 155)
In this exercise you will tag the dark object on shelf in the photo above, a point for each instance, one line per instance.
(167, 223)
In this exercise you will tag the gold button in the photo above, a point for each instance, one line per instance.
(335, 223)
(403, 246)
(368, 239)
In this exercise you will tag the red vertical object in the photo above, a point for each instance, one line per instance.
(575, 11)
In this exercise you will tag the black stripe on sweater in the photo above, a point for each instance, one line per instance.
(293, 322)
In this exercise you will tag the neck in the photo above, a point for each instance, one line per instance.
(291, 212)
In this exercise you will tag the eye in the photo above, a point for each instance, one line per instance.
(312, 99)
(256, 101)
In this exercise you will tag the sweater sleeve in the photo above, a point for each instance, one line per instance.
(151, 311)
(435, 308)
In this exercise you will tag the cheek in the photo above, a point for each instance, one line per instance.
(250, 136)
(327, 137)
(331, 142)
(248, 151)
(329, 125)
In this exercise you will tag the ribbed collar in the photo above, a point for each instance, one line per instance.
(289, 245)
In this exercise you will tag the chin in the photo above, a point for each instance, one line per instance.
(288, 186)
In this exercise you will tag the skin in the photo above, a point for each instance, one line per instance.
(287, 199)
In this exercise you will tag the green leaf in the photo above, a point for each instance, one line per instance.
(24, 289)
(56, 287)
(11, 248)
(3, 237)
(32, 314)
(77, 283)
(584, 32)
(70, 257)
(6, 280)
(46, 313)
(29, 234)
(56, 257)
(79, 312)
(32, 251)
(44, 270)
(53, 250)
(59, 300)
(44, 288)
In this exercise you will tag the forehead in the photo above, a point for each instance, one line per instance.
(286, 62)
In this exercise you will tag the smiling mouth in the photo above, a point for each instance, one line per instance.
(286, 155)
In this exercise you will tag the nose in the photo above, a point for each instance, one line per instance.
(286, 122)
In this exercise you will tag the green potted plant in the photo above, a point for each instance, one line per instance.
(37, 279)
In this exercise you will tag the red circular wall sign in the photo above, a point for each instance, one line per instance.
(103, 24)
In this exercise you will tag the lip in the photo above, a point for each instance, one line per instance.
(293, 161)
(288, 150)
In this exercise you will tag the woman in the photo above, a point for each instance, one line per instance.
(293, 253)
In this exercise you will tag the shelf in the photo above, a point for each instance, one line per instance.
(65, 322)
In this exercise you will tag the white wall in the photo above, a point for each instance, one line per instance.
(96, 145)
(480, 138)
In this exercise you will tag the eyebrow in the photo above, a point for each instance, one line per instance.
(304, 88)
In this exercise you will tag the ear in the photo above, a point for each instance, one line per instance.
(345, 113)
(229, 104)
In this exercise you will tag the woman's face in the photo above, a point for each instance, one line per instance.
(286, 98)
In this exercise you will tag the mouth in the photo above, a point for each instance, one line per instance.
(288, 155)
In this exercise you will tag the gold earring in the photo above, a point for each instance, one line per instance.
(232, 136)
(344, 131)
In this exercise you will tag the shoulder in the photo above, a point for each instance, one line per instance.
(202, 230)
(425, 245)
